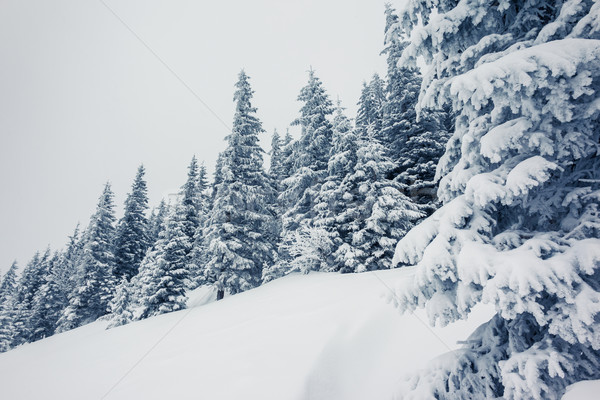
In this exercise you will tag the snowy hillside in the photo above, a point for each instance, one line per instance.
(316, 336)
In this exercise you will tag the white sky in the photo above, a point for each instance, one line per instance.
(82, 101)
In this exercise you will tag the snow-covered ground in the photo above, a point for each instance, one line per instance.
(316, 336)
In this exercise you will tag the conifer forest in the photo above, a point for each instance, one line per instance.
(473, 163)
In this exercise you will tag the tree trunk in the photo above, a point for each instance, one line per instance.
(220, 294)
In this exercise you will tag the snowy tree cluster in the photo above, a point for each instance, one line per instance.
(337, 198)
(520, 185)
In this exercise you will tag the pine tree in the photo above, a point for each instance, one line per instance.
(8, 288)
(416, 142)
(276, 169)
(370, 106)
(288, 146)
(132, 237)
(311, 156)
(156, 221)
(9, 283)
(334, 213)
(382, 215)
(30, 282)
(241, 231)
(519, 227)
(50, 300)
(122, 304)
(95, 287)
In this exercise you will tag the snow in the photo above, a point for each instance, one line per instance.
(586, 390)
(317, 336)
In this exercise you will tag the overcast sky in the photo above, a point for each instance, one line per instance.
(83, 101)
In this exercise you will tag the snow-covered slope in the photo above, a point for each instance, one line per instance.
(316, 336)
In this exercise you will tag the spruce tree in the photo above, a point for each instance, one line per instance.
(8, 283)
(415, 141)
(95, 286)
(310, 156)
(381, 216)
(276, 169)
(8, 288)
(156, 221)
(241, 230)
(519, 227)
(132, 236)
(370, 106)
(334, 211)
(50, 300)
(30, 282)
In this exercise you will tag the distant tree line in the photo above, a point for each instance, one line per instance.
(337, 199)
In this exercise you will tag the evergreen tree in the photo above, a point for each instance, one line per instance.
(334, 211)
(30, 282)
(311, 156)
(217, 178)
(276, 169)
(95, 287)
(382, 215)
(50, 300)
(9, 283)
(241, 231)
(122, 304)
(190, 205)
(519, 227)
(132, 237)
(8, 289)
(288, 146)
(156, 221)
(370, 105)
(416, 142)
(192, 213)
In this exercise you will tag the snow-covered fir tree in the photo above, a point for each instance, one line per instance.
(334, 214)
(32, 278)
(310, 160)
(8, 283)
(370, 105)
(8, 288)
(415, 143)
(50, 300)
(132, 236)
(241, 232)
(277, 167)
(377, 214)
(156, 221)
(160, 287)
(520, 183)
(287, 154)
(122, 304)
(95, 286)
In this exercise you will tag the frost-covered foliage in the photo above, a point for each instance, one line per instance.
(370, 105)
(310, 158)
(378, 212)
(132, 236)
(156, 221)
(416, 143)
(8, 288)
(277, 168)
(95, 281)
(314, 246)
(162, 281)
(520, 182)
(241, 232)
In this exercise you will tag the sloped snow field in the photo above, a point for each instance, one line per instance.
(316, 336)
